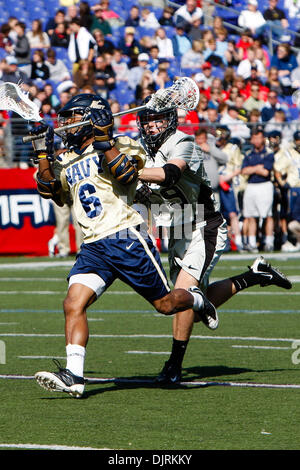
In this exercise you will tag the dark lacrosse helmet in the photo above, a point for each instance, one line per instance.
(274, 139)
(168, 115)
(222, 135)
(79, 104)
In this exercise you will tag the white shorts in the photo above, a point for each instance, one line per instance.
(198, 255)
(258, 200)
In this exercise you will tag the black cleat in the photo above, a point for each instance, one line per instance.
(61, 381)
(208, 314)
(269, 276)
(170, 374)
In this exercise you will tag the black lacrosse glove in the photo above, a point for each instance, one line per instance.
(102, 121)
(45, 144)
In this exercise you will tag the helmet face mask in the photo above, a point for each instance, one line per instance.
(156, 126)
(77, 110)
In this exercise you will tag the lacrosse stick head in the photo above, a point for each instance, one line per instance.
(183, 94)
(13, 98)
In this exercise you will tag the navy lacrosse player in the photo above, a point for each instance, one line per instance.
(174, 176)
(99, 173)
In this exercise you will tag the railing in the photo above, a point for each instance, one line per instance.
(14, 153)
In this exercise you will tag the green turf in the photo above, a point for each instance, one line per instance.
(139, 415)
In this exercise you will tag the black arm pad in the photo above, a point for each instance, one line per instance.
(172, 175)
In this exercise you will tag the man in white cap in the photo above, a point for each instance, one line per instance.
(136, 73)
(251, 18)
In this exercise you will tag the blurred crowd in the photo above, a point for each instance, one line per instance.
(124, 54)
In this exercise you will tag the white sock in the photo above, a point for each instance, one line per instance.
(198, 301)
(75, 359)
(270, 240)
(252, 241)
(238, 240)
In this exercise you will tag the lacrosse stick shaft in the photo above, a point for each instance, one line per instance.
(58, 130)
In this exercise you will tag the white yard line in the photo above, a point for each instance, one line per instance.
(201, 383)
(139, 336)
(46, 447)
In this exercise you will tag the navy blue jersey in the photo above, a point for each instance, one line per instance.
(264, 158)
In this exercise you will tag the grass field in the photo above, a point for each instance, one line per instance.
(241, 386)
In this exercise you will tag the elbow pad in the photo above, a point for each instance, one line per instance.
(122, 169)
(172, 175)
(49, 189)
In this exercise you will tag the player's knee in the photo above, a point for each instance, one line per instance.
(71, 308)
(164, 305)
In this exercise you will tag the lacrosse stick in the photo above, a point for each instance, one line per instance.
(13, 98)
(183, 94)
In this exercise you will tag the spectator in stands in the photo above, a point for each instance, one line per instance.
(154, 57)
(109, 14)
(251, 18)
(59, 17)
(202, 108)
(211, 55)
(273, 82)
(188, 12)
(148, 19)
(12, 73)
(5, 40)
(98, 22)
(102, 67)
(254, 101)
(60, 36)
(237, 127)
(100, 86)
(222, 43)
(129, 45)
(164, 44)
(285, 61)
(275, 16)
(136, 73)
(38, 39)
(133, 17)
(259, 192)
(21, 49)
(244, 42)
(180, 41)
(38, 67)
(84, 75)
(81, 42)
(207, 72)
(58, 71)
(228, 79)
(245, 66)
(193, 58)
(261, 53)
(166, 18)
(84, 14)
(194, 32)
(270, 106)
(51, 96)
(147, 82)
(120, 66)
(102, 45)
